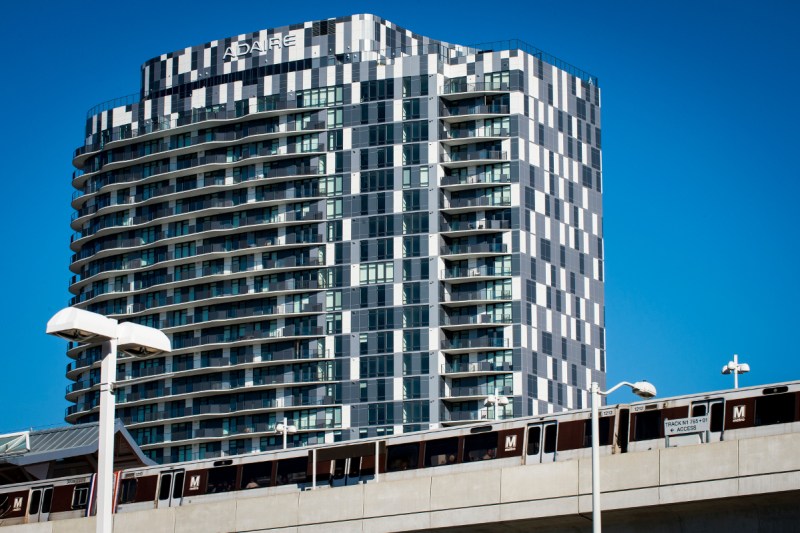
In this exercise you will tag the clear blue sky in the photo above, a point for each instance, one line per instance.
(700, 121)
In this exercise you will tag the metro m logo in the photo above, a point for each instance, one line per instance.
(17, 504)
(511, 443)
(738, 413)
(194, 483)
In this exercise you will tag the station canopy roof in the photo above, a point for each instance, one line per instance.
(65, 451)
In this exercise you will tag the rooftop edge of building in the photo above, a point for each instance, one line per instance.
(267, 37)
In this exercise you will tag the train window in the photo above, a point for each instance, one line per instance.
(177, 487)
(717, 416)
(534, 440)
(47, 499)
(355, 467)
(368, 465)
(127, 491)
(221, 479)
(292, 471)
(166, 481)
(80, 496)
(256, 475)
(605, 432)
(402, 457)
(699, 409)
(480, 447)
(646, 425)
(338, 468)
(441, 452)
(550, 438)
(36, 497)
(777, 409)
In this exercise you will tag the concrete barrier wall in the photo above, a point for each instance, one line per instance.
(555, 494)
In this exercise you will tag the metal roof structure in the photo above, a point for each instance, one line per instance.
(64, 451)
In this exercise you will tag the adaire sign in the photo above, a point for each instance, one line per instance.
(275, 42)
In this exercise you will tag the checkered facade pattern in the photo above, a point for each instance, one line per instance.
(346, 224)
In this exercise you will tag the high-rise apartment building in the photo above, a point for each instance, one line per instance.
(346, 224)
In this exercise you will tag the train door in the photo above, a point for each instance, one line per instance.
(542, 442)
(715, 408)
(170, 488)
(346, 471)
(40, 502)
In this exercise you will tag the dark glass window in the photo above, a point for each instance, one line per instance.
(441, 452)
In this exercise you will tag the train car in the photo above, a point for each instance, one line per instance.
(726, 415)
(699, 418)
(26, 503)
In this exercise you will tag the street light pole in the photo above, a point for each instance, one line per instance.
(596, 526)
(285, 428)
(105, 447)
(735, 368)
(640, 388)
(81, 326)
(496, 400)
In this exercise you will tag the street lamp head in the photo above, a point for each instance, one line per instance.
(726, 370)
(280, 428)
(744, 368)
(732, 366)
(644, 389)
(78, 325)
(140, 341)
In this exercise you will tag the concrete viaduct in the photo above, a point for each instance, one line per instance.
(746, 485)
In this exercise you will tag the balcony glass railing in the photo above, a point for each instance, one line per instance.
(479, 248)
(481, 342)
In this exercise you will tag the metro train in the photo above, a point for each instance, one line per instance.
(625, 428)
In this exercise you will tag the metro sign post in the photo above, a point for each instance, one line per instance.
(696, 425)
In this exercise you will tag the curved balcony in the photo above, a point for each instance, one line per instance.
(474, 181)
(450, 114)
(167, 147)
(459, 91)
(238, 317)
(478, 157)
(198, 210)
(454, 418)
(277, 175)
(73, 390)
(195, 166)
(185, 122)
(476, 297)
(211, 250)
(183, 278)
(111, 247)
(81, 365)
(470, 345)
(289, 309)
(282, 288)
(481, 203)
(281, 334)
(478, 227)
(73, 412)
(479, 392)
(479, 273)
(478, 368)
(482, 320)
(465, 251)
